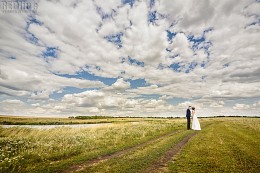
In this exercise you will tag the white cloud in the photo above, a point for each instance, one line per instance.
(223, 67)
(257, 104)
(35, 80)
(241, 106)
(184, 105)
(36, 104)
(218, 104)
(15, 102)
(119, 85)
(108, 7)
(181, 46)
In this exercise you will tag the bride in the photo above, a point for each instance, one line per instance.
(195, 121)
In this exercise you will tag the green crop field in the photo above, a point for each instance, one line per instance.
(131, 145)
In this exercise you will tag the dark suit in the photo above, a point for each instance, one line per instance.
(188, 114)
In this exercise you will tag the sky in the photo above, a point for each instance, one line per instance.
(131, 58)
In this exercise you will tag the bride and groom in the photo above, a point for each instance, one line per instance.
(195, 122)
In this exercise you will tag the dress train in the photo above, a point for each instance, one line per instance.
(195, 123)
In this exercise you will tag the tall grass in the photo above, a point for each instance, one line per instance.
(33, 150)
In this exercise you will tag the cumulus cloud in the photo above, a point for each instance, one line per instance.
(118, 86)
(256, 105)
(218, 104)
(241, 106)
(203, 53)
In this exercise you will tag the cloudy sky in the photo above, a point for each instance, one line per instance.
(131, 57)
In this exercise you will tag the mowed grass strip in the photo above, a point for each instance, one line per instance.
(139, 159)
(229, 145)
(33, 150)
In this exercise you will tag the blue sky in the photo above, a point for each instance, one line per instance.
(127, 57)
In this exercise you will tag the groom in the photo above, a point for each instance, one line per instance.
(188, 114)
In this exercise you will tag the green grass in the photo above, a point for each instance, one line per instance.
(140, 158)
(229, 145)
(33, 150)
(19, 120)
(223, 145)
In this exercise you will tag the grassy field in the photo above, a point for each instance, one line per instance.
(33, 150)
(228, 145)
(223, 145)
(10, 120)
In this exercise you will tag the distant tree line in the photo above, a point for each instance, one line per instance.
(108, 117)
(91, 117)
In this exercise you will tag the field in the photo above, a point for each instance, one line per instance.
(131, 145)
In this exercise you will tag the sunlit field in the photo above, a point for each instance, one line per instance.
(228, 145)
(33, 150)
(60, 121)
(223, 145)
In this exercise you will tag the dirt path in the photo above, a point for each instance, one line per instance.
(89, 163)
(161, 164)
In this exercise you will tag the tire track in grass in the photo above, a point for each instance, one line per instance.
(95, 161)
(161, 164)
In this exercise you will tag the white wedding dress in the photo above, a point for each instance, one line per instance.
(195, 123)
